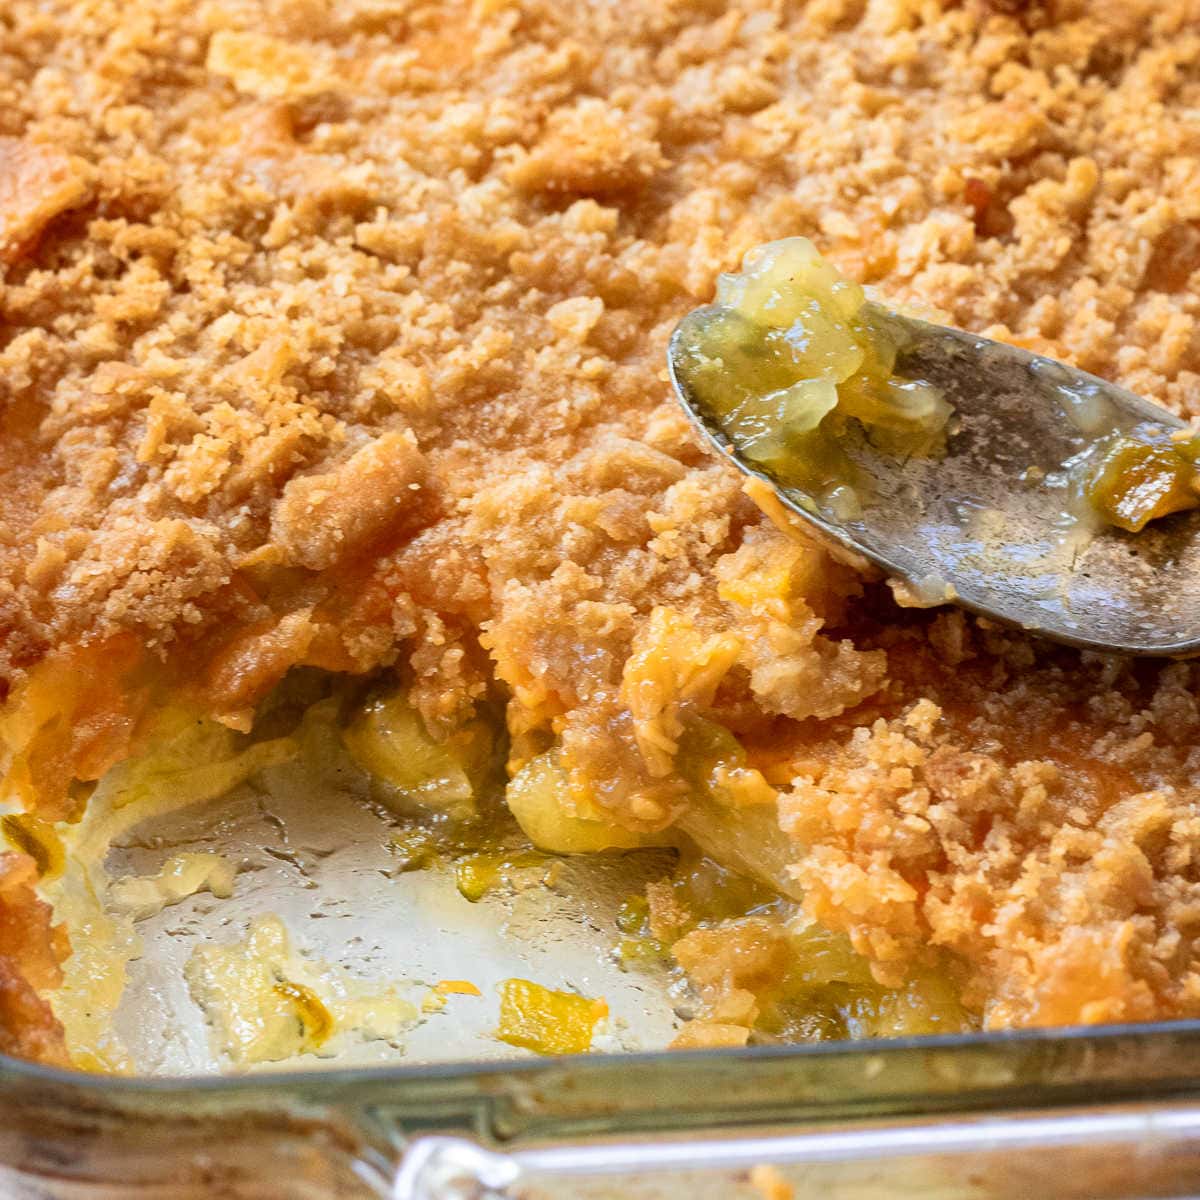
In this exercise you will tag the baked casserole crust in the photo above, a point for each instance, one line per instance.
(333, 334)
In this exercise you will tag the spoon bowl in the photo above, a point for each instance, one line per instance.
(992, 525)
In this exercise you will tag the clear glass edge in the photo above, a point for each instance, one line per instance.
(359, 1123)
(1138, 1059)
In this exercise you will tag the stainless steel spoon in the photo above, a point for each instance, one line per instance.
(989, 526)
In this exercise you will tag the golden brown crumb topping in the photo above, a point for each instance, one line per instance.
(333, 333)
(30, 961)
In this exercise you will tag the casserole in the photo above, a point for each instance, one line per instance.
(339, 462)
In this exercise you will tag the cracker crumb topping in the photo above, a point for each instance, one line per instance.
(332, 334)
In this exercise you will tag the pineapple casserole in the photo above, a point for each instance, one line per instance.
(336, 421)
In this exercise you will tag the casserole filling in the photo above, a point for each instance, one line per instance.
(786, 356)
(335, 425)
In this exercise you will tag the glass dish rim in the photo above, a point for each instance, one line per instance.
(18, 1072)
(368, 1125)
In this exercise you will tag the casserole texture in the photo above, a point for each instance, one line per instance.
(333, 337)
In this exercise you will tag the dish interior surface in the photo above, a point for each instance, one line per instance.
(325, 866)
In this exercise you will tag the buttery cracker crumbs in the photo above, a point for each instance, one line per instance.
(333, 334)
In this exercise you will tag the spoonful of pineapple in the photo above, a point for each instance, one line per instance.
(970, 471)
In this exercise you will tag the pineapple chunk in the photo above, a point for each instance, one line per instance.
(540, 799)
(1136, 477)
(411, 771)
(546, 1021)
(788, 354)
(782, 281)
(733, 814)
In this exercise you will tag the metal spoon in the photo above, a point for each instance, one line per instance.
(988, 525)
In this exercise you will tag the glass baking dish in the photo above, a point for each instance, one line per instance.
(1075, 1113)
(1071, 1113)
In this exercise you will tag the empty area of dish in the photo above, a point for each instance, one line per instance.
(252, 901)
(425, 963)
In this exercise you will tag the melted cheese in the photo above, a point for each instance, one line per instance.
(183, 875)
(266, 1003)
